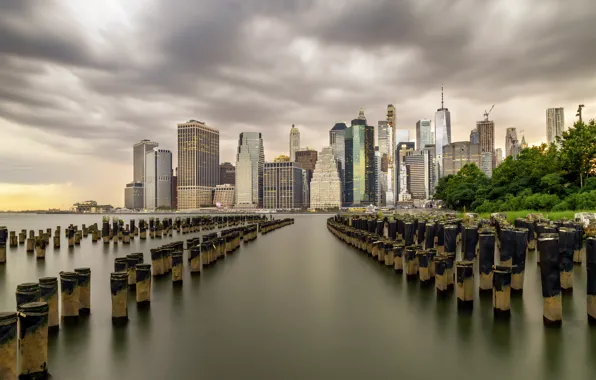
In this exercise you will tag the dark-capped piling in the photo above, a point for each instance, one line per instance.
(519, 259)
(567, 245)
(195, 259)
(121, 264)
(450, 238)
(126, 236)
(486, 260)
(142, 229)
(429, 238)
(441, 282)
(591, 278)
(177, 267)
(118, 288)
(548, 246)
(3, 236)
(33, 340)
(389, 254)
(143, 284)
(84, 276)
(579, 251)
(22, 236)
(465, 284)
(105, 230)
(398, 261)
(408, 233)
(423, 258)
(507, 248)
(411, 263)
(501, 291)
(27, 292)
(71, 237)
(8, 345)
(49, 293)
(40, 248)
(12, 240)
(157, 261)
(470, 242)
(132, 260)
(77, 238)
(134, 231)
(69, 291)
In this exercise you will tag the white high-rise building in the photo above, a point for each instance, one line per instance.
(158, 179)
(510, 140)
(498, 157)
(555, 124)
(391, 192)
(249, 171)
(442, 134)
(325, 185)
(140, 151)
(424, 134)
(486, 163)
(294, 142)
(383, 135)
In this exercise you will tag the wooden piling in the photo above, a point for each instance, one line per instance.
(33, 340)
(69, 291)
(84, 277)
(49, 293)
(119, 291)
(8, 345)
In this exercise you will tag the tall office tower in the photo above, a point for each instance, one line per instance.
(474, 138)
(227, 174)
(198, 164)
(486, 134)
(390, 193)
(510, 140)
(337, 141)
(369, 163)
(175, 190)
(158, 179)
(282, 185)
(401, 175)
(414, 162)
(249, 171)
(498, 157)
(133, 196)
(555, 124)
(325, 185)
(486, 163)
(294, 142)
(424, 134)
(428, 153)
(307, 160)
(457, 154)
(139, 150)
(442, 134)
(377, 177)
(355, 173)
(383, 135)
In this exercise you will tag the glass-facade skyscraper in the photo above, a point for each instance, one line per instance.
(424, 134)
(249, 170)
(442, 134)
(337, 141)
(360, 162)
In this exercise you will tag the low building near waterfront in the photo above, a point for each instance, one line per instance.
(325, 186)
(224, 195)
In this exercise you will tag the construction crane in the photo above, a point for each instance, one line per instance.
(488, 113)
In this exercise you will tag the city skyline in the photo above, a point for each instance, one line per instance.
(70, 113)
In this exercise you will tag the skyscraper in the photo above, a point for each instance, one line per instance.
(282, 185)
(360, 157)
(377, 177)
(227, 174)
(424, 134)
(555, 124)
(337, 141)
(383, 136)
(474, 138)
(486, 163)
(133, 196)
(325, 185)
(442, 134)
(510, 140)
(414, 162)
(139, 150)
(430, 182)
(249, 170)
(401, 175)
(307, 159)
(459, 153)
(486, 135)
(498, 157)
(175, 189)
(158, 179)
(198, 164)
(390, 193)
(294, 142)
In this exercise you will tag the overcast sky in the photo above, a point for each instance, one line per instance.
(82, 81)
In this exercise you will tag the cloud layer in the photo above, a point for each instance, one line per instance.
(79, 84)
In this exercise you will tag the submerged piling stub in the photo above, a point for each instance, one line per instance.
(27, 292)
(423, 259)
(119, 291)
(519, 259)
(501, 291)
(548, 246)
(49, 293)
(177, 267)
(441, 274)
(40, 248)
(3, 237)
(33, 340)
(470, 242)
(8, 345)
(507, 248)
(567, 247)
(69, 291)
(411, 263)
(121, 264)
(143, 284)
(84, 276)
(465, 284)
(486, 260)
(398, 262)
(591, 278)
(579, 251)
(450, 240)
(132, 261)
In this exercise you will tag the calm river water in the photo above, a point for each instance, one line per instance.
(297, 304)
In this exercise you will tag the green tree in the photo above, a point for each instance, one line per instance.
(578, 151)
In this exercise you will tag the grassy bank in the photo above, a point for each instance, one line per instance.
(554, 215)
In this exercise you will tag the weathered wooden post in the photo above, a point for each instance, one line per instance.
(121, 264)
(548, 246)
(151, 228)
(486, 260)
(69, 290)
(441, 274)
(84, 277)
(49, 293)
(3, 233)
(591, 280)
(85, 230)
(71, 237)
(126, 236)
(429, 238)
(27, 292)
(411, 263)
(105, 230)
(398, 253)
(177, 267)
(22, 236)
(114, 228)
(40, 248)
(120, 229)
(470, 242)
(134, 231)
(132, 262)
(118, 289)
(389, 254)
(143, 284)
(465, 283)
(142, 229)
(30, 244)
(423, 258)
(33, 340)
(12, 240)
(578, 251)
(408, 234)
(450, 238)
(507, 246)
(57, 238)
(501, 291)
(567, 245)
(8, 345)
(449, 269)
(157, 261)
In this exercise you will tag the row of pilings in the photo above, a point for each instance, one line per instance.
(44, 305)
(443, 252)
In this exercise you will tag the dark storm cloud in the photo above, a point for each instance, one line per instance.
(231, 64)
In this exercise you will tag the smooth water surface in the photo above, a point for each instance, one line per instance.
(297, 303)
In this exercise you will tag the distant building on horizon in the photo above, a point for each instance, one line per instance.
(337, 142)
(294, 142)
(442, 134)
(486, 163)
(430, 181)
(133, 196)
(510, 140)
(250, 159)
(307, 159)
(424, 134)
(325, 185)
(227, 174)
(401, 174)
(223, 196)
(555, 124)
(486, 134)
(474, 137)
(282, 185)
(458, 154)
(198, 164)
(158, 179)
(498, 157)
(140, 150)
